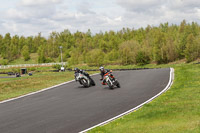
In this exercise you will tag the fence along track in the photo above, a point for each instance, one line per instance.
(31, 65)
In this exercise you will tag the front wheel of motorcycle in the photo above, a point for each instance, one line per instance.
(110, 85)
(85, 83)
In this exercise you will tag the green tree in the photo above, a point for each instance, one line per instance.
(1, 44)
(142, 58)
(75, 57)
(95, 57)
(25, 53)
(6, 45)
(128, 51)
(159, 52)
(14, 47)
(37, 42)
(22, 42)
(112, 55)
(41, 55)
(192, 49)
(29, 43)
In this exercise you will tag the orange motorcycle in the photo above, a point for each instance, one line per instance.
(110, 80)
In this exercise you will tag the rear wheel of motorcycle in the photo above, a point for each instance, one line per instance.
(92, 82)
(118, 84)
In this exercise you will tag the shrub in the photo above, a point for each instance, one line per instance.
(95, 57)
(31, 69)
(15, 70)
(4, 62)
(57, 66)
(142, 58)
(48, 60)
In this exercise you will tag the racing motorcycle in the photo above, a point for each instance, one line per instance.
(84, 80)
(111, 81)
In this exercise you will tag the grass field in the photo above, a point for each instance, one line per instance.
(176, 111)
(13, 87)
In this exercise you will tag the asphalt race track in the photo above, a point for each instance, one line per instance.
(8, 77)
(70, 108)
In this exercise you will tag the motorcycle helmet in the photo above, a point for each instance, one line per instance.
(101, 68)
(76, 69)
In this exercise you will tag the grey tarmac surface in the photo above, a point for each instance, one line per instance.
(70, 108)
(8, 77)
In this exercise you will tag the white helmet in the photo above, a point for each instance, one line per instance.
(101, 68)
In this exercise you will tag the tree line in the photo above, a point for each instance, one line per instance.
(160, 44)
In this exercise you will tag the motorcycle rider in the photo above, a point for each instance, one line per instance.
(84, 73)
(103, 72)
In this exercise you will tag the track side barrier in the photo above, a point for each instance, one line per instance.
(116, 69)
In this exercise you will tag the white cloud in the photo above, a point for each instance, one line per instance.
(11, 26)
(38, 2)
(15, 14)
(34, 16)
(29, 17)
(143, 5)
(181, 4)
(140, 5)
(154, 12)
(118, 19)
(85, 8)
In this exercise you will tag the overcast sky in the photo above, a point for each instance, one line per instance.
(29, 17)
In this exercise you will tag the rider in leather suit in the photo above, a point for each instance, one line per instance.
(84, 73)
(103, 72)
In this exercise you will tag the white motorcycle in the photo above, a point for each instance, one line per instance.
(84, 80)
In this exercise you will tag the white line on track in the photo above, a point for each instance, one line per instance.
(171, 78)
(39, 91)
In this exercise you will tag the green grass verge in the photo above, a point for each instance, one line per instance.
(176, 111)
(29, 69)
(13, 87)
